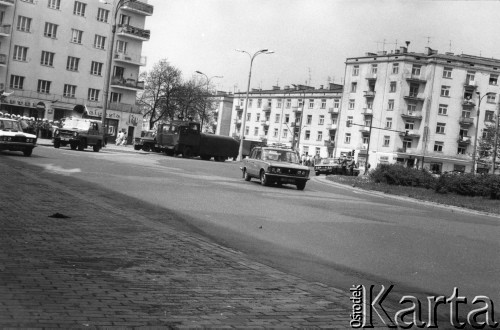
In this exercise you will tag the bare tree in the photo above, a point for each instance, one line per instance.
(486, 144)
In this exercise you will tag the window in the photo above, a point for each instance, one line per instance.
(466, 113)
(277, 118)
(76, 36)
(323, 103)
(16, 82)
(447, 72)
(300, 103)
(347, 138)
(257, 117)
(366, 140)
(490, 98)
(336, 103)
(247, 130)
(54, 4)
(409, 124)
(471, 76)
(279, 103)
(43, 86)
(438, 146)
(69, 90)
(256, 131)
(489, 116)
(259, 103)
(390, 105)
(320, 136)
(352, 103)
(415, 70)
(23, 24)
(458, 168)
(407, 143)
(309, 119)
(443, 110)
(288, 103)
(249, 115)
(99, 41)
(395, 68)
(349, 120)
(369, 104)
(321, 119)
(297, 118)
(93, 94)
(285, 133)
(102, 15)
(50, 30)
(250, 102)
(47, 58)
(115, 97)
(493, 79)
(414, 90)
(355, 70)
(287, 118)
(79, 8)
(354, 86)
(387, 140)
(388, 122)
(20, 53)
(392, 87)
(461, 150)
(269, 103)
(374, 69)
(311, 104)
(124, 19)
(440, 128)
(464, 132)
(96, 68)
(445, 91)
(275, 134)
(72, 63)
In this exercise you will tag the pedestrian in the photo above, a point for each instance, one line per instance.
(119, 138)
(344, 166)
(124, 139)
(308, 159)
(352, 166)
(303, 158)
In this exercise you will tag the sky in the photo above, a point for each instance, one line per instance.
(311, 39)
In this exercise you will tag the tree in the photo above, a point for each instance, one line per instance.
(487, 143)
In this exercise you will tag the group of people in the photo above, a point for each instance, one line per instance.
(307, 160)
(348, 165)
(121, 138)
(42, 128)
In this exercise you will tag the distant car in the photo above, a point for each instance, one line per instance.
(79, 133)
(275, 165)
(146, 142)
(13, 138)
(333, 166)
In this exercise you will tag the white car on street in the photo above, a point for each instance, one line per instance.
(13, 138)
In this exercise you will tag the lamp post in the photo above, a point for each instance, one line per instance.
(107, 77)
(474, 161)
(208, 85)
(243, 120)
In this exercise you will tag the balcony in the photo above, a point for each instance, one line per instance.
(5, 30)
(297, 109)
(329, 143)
(369, 93)
(406, 150)
(238, 108)
(410, 134)
(416, 78)
(466, 121)
(266, 108)
(365, 129)
(333, 111)
(331, 127)
(412, 115)
(138, 7)
(470, 84)
(467, 104)
(122, 107)
(130, 84)
(264, 122)
(127, 30)
(237, 121)
(3, 60)
(368, 112)
(7, 2)
(371, 76)
(464, 140)
(130, 59)
(414, 97)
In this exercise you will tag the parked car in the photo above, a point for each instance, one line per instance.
(333, 166)
(146, 142)
(273, 165)
(13, 138)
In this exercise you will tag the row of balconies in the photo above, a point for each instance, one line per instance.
(131, 59)
(133, 32)
(294, 109)
(130, 84)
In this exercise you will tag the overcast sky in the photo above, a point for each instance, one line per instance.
(311, 38)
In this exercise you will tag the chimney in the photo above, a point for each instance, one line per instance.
(403, 50)
(430, 51)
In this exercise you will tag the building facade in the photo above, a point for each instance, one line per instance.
(418, 109)
(302, 117)
(54, 59)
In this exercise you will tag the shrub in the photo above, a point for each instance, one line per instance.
(396, 174)
(469, 184)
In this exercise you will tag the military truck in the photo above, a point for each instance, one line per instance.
(79, 133)
(185, 138)
(146, 142)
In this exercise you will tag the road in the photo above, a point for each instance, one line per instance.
(336, 235)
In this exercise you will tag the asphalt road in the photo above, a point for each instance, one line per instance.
(336, 235)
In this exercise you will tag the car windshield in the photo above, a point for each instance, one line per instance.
(149, 134)
(10, 125)
(280, 155)
(329, 161)
(76, 123)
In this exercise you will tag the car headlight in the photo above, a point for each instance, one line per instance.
(75, 134)
(271, 170)
(56, 132)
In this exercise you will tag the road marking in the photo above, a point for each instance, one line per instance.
(59, 170)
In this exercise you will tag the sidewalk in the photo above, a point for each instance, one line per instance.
(108, 147)
(111, 261)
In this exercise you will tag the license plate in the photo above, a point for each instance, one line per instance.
(288, 180)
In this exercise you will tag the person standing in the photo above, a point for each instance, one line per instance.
(352, 166)
(119, 138)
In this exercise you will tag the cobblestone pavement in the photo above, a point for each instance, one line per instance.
(108, 261)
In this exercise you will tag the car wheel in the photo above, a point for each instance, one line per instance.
(57, 144)
(246, 176)
(301, 185)
(28, 152)
(317, 173)
(263, 178)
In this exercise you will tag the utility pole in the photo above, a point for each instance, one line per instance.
(495, 142)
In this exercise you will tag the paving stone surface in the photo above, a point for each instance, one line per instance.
(110, 263)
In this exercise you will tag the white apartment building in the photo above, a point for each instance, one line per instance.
(274, 115)
(417, 109)
(54, 59)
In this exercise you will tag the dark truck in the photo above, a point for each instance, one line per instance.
(146, 142)
(185, 137)
(79, 133)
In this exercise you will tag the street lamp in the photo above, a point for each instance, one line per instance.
(208, 85)
(107, 77)
(243, 120)
(474, 161)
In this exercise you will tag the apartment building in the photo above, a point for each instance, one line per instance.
(301, 116)
(54, 58)
(417, 109)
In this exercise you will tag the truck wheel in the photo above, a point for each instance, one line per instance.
(73, 145)
(317, 173)
(205, 157)
(27, 152)
(263, 178)
(220, 159)
(97, 146)
(81, 145)
(57, 144)
(136, 147)
(246, 176)
(187, 152)
(146, 147)
(301, 185)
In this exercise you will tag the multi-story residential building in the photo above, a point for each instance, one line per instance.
(302, 117)
(417, 109)
(53, 57)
